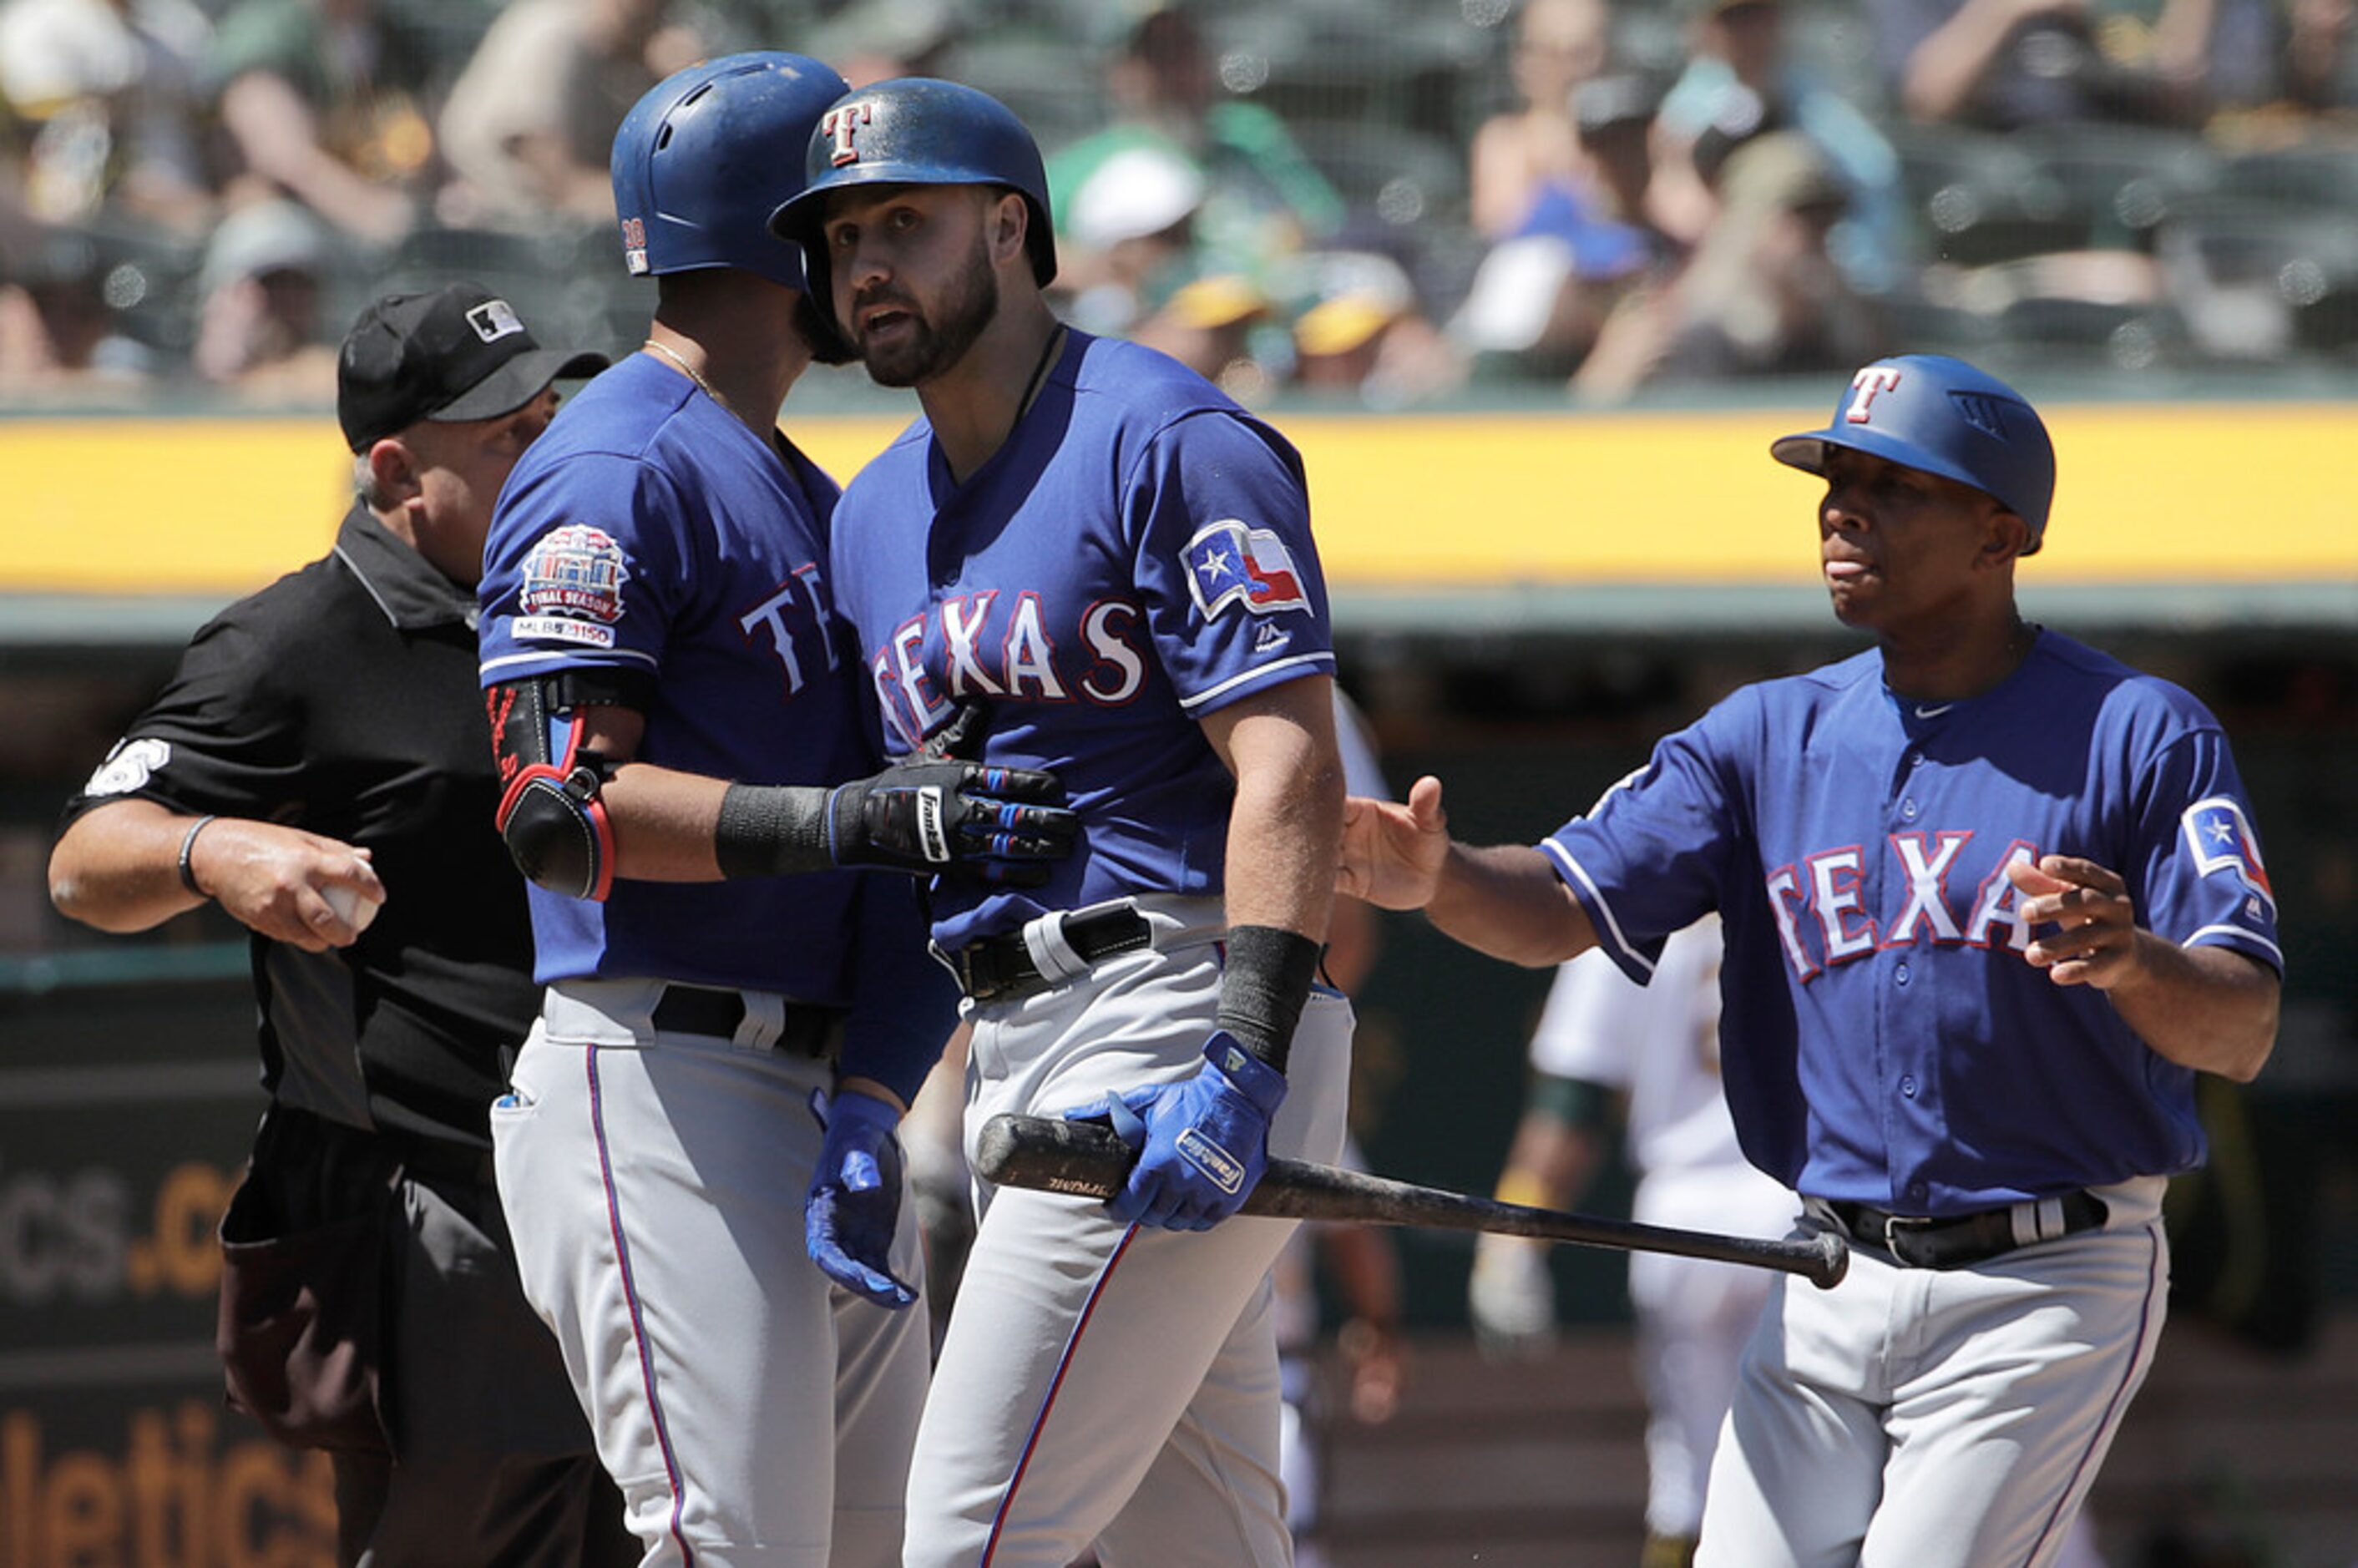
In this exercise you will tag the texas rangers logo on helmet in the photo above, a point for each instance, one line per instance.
(1866, 383)
(1229, 563)
(841, 125)
(2222, 840)
(572, 587)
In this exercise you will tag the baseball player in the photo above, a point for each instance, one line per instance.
(1991, 900)
(724, 1049)
(1117, 559)
(1657, 1045)
(317, 768)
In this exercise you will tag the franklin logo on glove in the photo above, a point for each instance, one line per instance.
(1226, 1170)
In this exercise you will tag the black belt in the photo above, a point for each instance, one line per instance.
(1955, 1241)
(706, 1010)
(1000, 968)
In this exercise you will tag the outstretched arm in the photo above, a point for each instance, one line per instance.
(1505, 901)
(2210, 1009)
(580, 811)
(117, 868)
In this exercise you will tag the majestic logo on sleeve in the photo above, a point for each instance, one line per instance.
(128, 767)
(2222, 840)
(572, 589)
(1229, 563)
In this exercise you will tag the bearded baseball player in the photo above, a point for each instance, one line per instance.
(1991, 900)
(670, 698)
(1117, 559)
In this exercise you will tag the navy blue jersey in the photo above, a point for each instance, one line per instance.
(1136, 556)
(1883, 1038)
(649, 529)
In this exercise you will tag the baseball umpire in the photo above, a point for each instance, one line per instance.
(671, 697)
(319, 766)
(1118, 559)
(1991, 900)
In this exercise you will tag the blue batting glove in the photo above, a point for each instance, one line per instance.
(1203, 1142)
(854, 1204)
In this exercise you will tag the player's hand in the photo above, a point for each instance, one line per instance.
(935, 811)
(2095, 941)
(287, 884)
(1203, 1142)
(853, 1208)
(1392, 854)
(1510, 1296)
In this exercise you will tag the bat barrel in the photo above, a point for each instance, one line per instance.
(1088, 1159)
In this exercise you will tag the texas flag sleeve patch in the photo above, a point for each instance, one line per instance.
(2222, 840)
(1229, 563)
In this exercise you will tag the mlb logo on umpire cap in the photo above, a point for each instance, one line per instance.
(456, 352)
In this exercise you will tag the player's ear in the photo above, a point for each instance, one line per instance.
(2006, 537)
(393, 469)
(1009, 226)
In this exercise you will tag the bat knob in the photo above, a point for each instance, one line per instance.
(1832, 1262)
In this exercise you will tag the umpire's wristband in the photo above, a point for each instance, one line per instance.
(1269, 970)
(772, 830)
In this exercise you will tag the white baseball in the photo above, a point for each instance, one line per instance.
(350, 907)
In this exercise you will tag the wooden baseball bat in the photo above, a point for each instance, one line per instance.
(1089, 1159)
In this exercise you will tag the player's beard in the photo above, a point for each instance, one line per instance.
(928, 349)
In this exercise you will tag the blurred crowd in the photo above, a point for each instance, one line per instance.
(1387, 203)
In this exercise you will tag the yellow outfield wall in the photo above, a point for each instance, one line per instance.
(2149, 494)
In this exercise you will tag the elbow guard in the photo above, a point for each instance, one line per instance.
(550, 815)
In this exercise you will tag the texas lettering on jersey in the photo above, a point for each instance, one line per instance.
(997, 644)
(1820, 902)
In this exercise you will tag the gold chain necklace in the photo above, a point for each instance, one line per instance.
(686, 369)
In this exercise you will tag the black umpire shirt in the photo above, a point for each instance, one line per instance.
(343, 699)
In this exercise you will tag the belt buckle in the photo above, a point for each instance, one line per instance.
(1896, 1226)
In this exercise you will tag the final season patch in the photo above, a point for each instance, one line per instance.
(575, 572)
(2223, 841)
(1229, 563)
(128, 767)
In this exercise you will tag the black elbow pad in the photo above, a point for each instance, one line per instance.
(555, 826)
(556, 831)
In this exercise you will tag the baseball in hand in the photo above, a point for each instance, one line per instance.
(352, 907)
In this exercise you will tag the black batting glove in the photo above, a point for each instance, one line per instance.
(933, 811)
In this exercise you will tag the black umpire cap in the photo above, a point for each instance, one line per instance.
(458, 352)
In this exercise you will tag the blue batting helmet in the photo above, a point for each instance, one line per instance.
(704, 155)
(916, 131)
(1944, 416)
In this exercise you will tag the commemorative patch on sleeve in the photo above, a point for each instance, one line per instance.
(572, 589)
(1230, 563)
(2222, 840)
(128, 767)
